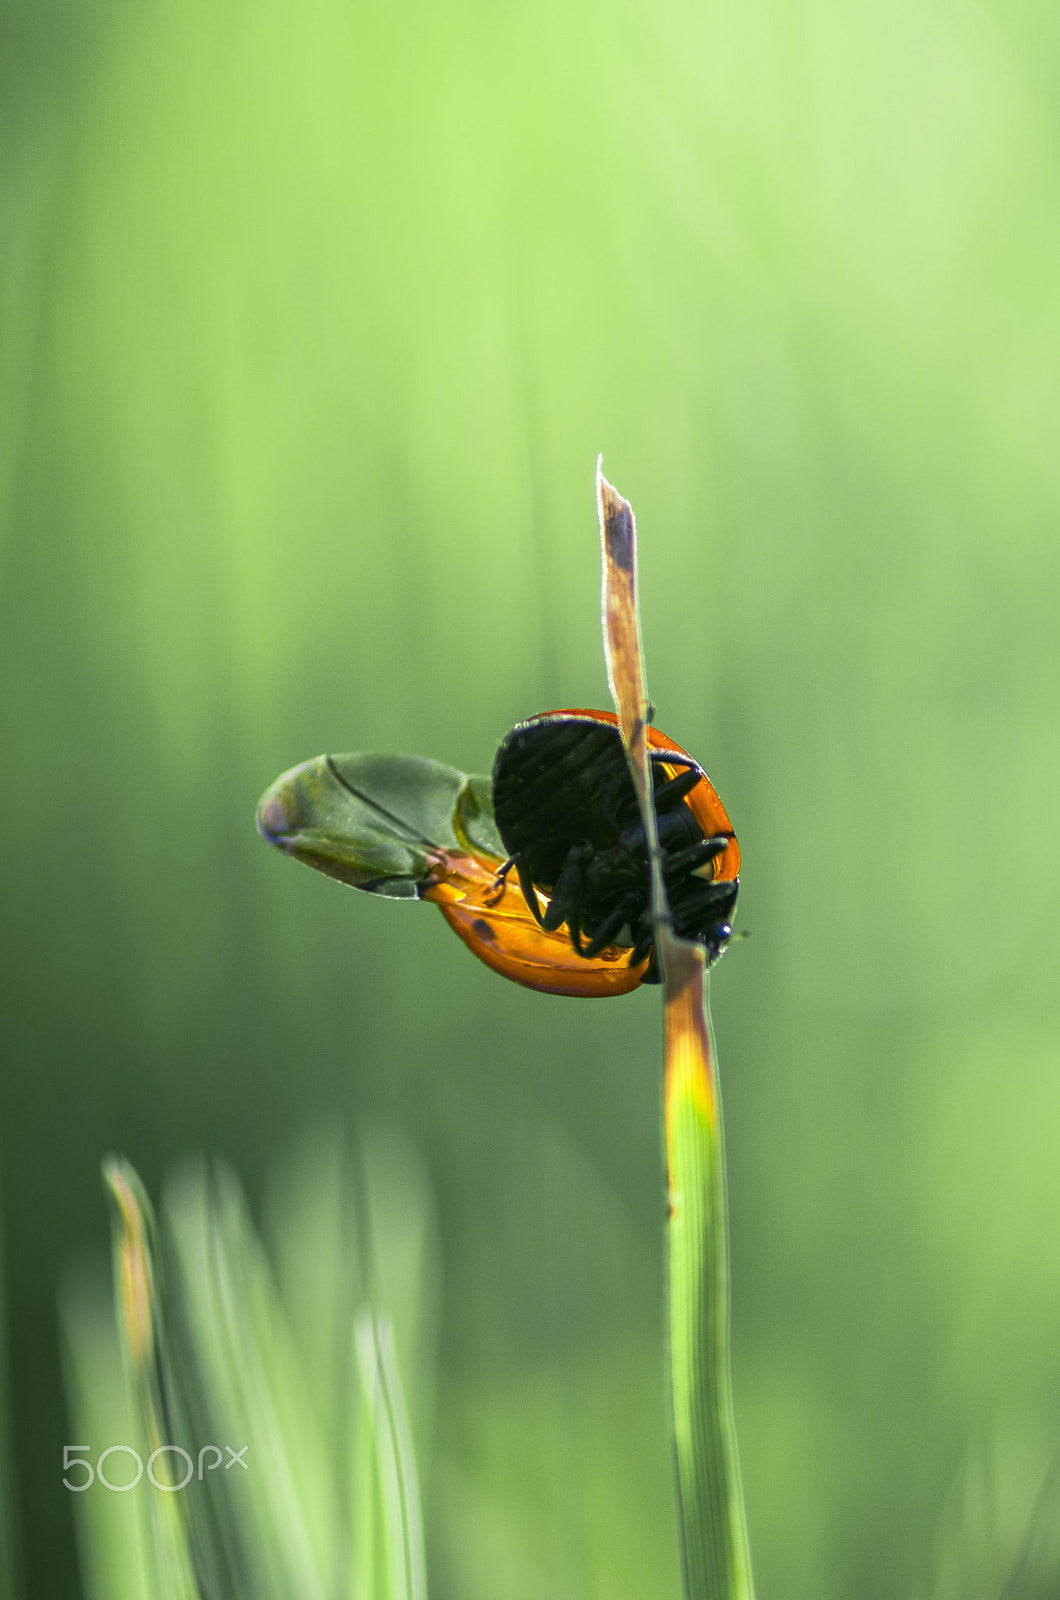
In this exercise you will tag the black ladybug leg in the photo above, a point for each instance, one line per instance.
(529, 892)
(695, 896)
(670, 794)
(674, 758)
(697, 855)
(612, 924)
(629, 806)
(496, 888)
(697, 923)
(575, 932)
(568, 890)
(565, 896)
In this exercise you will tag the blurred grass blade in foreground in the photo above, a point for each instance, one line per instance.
(8, 1502)
(286, 1482)
(118, 1559)
(137, 1272)
(388, 1439)
(716, 1560)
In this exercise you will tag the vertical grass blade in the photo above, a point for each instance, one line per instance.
(136, 1263)
(8, 1513)
(716, 1561)
(292, 1381)
(715, 1552)
(395, 1567)
(279, 1516)
(113, 1531)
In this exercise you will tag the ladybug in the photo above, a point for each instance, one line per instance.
(567, 814)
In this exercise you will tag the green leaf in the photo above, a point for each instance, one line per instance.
(378, 822)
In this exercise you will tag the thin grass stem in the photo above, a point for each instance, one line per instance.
(715, 1555)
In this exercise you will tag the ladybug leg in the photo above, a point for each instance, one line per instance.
(701, 895)
(568, 891)
(711, 903)
(496, 888)
(629, 807)
(670, 794)
(565, 897)
(612, 924)
(529, 892)
(704, 917)
(574, 928)
(644, 946)
(651, 972)
(696, 855)
(674, 758)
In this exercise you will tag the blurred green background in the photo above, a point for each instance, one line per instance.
(314, 321)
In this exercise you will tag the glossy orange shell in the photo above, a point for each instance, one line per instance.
(496, 925)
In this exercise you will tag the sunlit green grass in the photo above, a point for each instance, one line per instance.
(264, 1399)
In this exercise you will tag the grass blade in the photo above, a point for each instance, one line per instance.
(137, 1274)
(716, 1561)
(401, 1573)
(8, 1512)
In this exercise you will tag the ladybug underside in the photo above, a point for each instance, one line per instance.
(567, 811)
